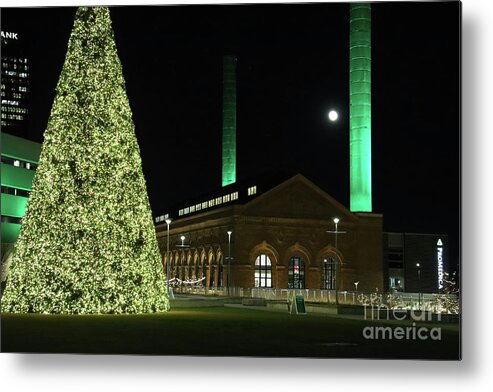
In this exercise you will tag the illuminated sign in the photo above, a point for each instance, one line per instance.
(10, 35)
(440, 263)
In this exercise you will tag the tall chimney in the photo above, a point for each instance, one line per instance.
(360, 107)
(229, 120)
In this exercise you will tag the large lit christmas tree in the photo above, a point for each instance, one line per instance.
(87, 243)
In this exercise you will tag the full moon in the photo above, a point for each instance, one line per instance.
(333, 115)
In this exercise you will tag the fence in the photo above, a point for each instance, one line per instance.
(443, 303)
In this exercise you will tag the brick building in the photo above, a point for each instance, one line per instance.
(283, 236)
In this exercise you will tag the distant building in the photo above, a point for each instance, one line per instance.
(15, 82)
(19, 161)
(279, 239)
(415, 262)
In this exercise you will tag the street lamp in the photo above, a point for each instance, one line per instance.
(182, 238)
(182, 266)
(229, 258)
(168, 222)
(356, 285)
(418, 266)
(336, 221)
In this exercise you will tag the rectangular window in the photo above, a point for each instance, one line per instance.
(180, 213)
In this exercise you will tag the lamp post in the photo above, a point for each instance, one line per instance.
(229, 258)
(418, 266)
(168, 222)
(182, 238)
(336, 221)
(182, 264)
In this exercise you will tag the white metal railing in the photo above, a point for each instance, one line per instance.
(446, 303)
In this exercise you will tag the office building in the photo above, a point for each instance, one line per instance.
(15, 83)
(415, 262)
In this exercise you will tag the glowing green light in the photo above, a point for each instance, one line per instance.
(360, 107)
(87, 242)
(229, 120)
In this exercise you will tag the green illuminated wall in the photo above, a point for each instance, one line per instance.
(229, 120)
(360, 107)
(14, 147)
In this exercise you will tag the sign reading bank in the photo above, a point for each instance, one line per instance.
(9, 35)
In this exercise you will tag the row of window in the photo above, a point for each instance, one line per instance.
(162, 218)
(9, 102)
(12, 82)
(15, 59)
(10, 109)
(14, 73)
(22, 67)
(14, 191)
(263, 273)
(296, 273)
(10, 219)
(11, 117)
(208, 204)
(19, 163)
(22, 89)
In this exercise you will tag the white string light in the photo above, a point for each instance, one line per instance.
(88, 242)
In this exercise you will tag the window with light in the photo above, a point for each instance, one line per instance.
(263, 271)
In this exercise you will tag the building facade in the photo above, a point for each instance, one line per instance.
(282, 236)
(416, 262)
(15, 82)
(19, 161)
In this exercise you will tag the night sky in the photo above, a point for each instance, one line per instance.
(292, 69)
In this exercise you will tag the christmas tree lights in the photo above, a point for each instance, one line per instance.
(87, 243)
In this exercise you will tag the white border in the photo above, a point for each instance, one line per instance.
(139, 373)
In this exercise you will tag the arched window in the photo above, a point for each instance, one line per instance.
(220, 273)
(296, 273)
(263, 271)
(195, 269)
(204, 272)
(328, 269)
(212, 275)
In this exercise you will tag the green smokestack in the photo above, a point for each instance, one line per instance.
(360, 107)
(229, 120)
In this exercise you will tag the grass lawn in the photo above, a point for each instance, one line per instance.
(218, 331)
